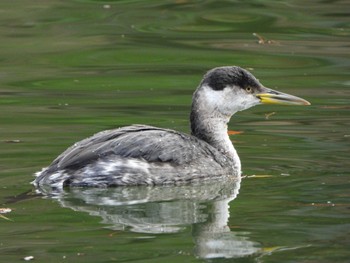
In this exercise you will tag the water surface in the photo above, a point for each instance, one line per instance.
(69, 69)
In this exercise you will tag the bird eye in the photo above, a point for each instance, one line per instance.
(248, 89)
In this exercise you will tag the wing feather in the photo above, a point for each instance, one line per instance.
(138, 141)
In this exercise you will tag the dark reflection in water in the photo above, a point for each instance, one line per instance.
(169, 209)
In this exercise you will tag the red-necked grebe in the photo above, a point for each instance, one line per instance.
(146, 155)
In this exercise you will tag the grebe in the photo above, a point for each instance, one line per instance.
(146, 155)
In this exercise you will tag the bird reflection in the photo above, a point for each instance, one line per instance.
(168, 209)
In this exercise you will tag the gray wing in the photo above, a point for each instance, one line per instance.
(144, 142)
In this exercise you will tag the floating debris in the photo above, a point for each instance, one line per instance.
(267, 115)
(259, 176)
(345, 107)
(12, 141)
(263, 41)
(326, 204)
(5, 211)
(28, 258)
(234, 132)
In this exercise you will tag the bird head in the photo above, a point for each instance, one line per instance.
(231, 89)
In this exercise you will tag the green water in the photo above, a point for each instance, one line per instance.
(71, 68)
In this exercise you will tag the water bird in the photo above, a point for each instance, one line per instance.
(147, 155)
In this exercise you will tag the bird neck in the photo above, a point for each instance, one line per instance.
(209, 124)
(213, 130)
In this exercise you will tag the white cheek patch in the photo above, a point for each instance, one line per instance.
(212, 97)
(229, 100)
(242, 100)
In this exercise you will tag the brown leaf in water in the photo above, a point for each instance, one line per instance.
(263, 41)
(234, 132)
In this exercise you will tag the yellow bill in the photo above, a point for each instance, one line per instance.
(270, 96)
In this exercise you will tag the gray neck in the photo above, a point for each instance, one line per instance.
(211, 126)
(213, 130)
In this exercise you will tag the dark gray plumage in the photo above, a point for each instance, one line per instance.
(146, 155)
(219, 78)
(169, 155)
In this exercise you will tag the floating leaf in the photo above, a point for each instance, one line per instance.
(263, 41)
(234, 132)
